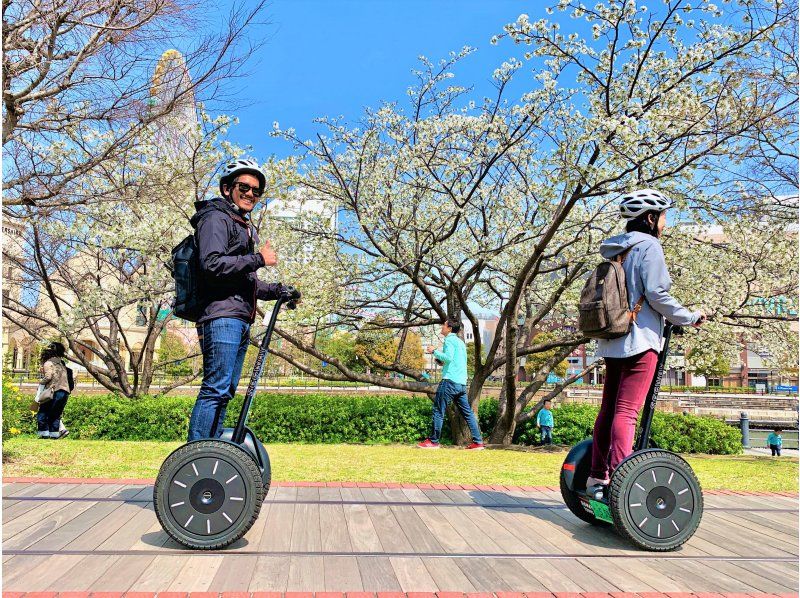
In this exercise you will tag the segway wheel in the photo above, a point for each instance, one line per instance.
(208, 494)
(656, 500)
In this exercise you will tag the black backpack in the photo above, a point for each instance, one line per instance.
(189, 303)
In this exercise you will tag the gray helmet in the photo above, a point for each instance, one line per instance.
(242, 166)
(638, 202)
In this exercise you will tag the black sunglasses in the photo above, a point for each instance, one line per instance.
(244, 189)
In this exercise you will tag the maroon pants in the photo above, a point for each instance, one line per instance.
(624, 393)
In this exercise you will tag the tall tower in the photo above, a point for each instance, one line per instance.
(172, 86)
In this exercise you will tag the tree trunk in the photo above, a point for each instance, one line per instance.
(506, 424)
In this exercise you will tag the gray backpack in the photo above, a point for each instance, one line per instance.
(603, 309)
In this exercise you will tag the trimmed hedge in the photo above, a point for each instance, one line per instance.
(321, 418)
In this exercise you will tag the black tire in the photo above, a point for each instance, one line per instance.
(656, 500)
(208, 494)
(571, 498)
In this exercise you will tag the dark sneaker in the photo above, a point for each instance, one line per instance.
(476, 446)
(62, 434)
(428, 444)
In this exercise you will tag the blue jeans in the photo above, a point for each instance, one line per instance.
(450, 391)
(48, 419)
(547, 434)
(224, 342)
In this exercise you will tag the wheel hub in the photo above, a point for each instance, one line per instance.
(207, 495)
(661, 502)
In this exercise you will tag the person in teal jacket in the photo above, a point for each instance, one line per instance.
(775, 442)
(544, 419)
(453, 386)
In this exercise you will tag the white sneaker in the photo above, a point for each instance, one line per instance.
(43, 434)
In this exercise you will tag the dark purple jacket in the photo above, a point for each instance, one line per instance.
(228, 262)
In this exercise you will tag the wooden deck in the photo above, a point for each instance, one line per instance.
(104, 537)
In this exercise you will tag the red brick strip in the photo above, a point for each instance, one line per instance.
(386, 595)
(492, 488)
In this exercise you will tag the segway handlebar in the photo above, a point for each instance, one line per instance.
(288, 296)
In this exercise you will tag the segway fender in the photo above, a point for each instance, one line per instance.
(580, 453)
(256, 450)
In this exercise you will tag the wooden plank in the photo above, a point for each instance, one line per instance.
(412, 575)
(333, 533)
(760, 530)
(17, 570)
(234, 573)
(373, 494)
(537, 535)
(448, 576)
(415, 495)
(196, 574)
(437, 496)
(24, 522)
(518, 578)
(43, 575)
(307, 493)
(491, 528)
(277, 535)
(271, 574)
(159, 573)
(28, 489)
(252, 539)
(460, 519)
(86, 572)
(341, 574)
(47, 525)
(622, 576)
(583, 576)
(351, 494)
(784, 573)
(377, 575)
(305, 529)
(10, 512)
(549, 576)
(395, 494)
(703, 577)
(761, 582)
(331, 493)
(519, 524)
(305, 572)
(390, 534)
(481, 575)
(65, 533)
(363, 536)
(121, 576)
(131, 531)
(445, 533)
(766, 523)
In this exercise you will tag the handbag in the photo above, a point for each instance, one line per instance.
(70, 378)
(43, 394)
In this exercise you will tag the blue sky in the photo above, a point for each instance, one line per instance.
(337, 57)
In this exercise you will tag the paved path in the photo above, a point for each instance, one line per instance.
(104, 537)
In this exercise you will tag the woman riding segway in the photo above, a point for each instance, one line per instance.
(650, 495)
(631, 359)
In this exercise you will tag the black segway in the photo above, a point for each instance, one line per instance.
(208, 493)
(654, 498)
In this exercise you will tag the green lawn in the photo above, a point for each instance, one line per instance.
(360, 463)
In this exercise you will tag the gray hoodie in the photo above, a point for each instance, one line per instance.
(645, 274)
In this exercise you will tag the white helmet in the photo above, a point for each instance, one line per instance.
(638, 202)
(242, 166)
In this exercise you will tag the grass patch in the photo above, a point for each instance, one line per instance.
(370, 463)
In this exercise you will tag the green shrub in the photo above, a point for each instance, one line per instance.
(324, 418)
(17, 417)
